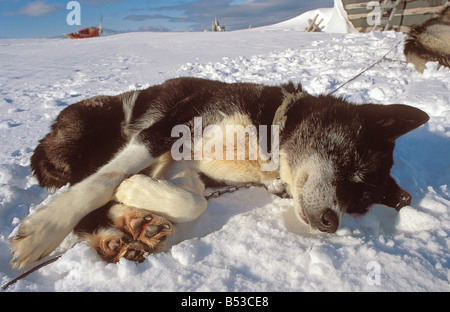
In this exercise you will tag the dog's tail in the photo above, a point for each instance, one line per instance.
(85, 136)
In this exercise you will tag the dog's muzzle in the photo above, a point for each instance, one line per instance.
(326, 220)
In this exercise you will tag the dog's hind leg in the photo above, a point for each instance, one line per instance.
(177, 192)
(136, 222)
(117, 231)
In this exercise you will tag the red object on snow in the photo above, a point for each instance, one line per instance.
(86, 33)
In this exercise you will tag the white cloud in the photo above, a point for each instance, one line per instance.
(35, 9)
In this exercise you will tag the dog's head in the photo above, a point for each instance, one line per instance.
(336, 157)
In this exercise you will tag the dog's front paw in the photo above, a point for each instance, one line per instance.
(112, 244)
(142, 225)
(38, 235)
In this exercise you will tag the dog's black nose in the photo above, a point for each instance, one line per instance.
(329, 221)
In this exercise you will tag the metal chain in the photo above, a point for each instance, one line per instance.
(230, 189)
(368, 68)
(37, 267)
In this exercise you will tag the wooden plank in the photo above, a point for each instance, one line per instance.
(348, 4)
(414, 11)
(407, 20)
(384, 12)
(362, 6)
(356, 6)
(424, 3)
(311, 23)
(316, 27)
(345, 2)
(391, 17)
(403, 29)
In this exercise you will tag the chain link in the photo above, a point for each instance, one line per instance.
(230, 189)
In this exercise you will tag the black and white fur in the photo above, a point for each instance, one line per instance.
(126, 189)
(430, 42)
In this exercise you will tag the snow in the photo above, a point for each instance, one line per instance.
(248, 240)
(334, 21)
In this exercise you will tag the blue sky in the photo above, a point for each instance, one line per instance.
(47, 18)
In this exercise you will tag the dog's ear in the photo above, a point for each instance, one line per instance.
(394, 196)
(393, 121)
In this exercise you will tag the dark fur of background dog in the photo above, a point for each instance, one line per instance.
(430, 42)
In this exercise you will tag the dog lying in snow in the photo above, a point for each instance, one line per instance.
(138, 161)
(430, 42)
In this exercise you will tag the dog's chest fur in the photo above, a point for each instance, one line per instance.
(227, 144)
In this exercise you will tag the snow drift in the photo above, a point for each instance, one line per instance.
(334, 21)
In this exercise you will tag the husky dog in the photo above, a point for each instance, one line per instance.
(127, 188)
(430, 42)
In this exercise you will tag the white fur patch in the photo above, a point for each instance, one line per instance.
(178, 196)
(313, 182)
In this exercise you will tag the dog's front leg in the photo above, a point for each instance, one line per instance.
(40, 233)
